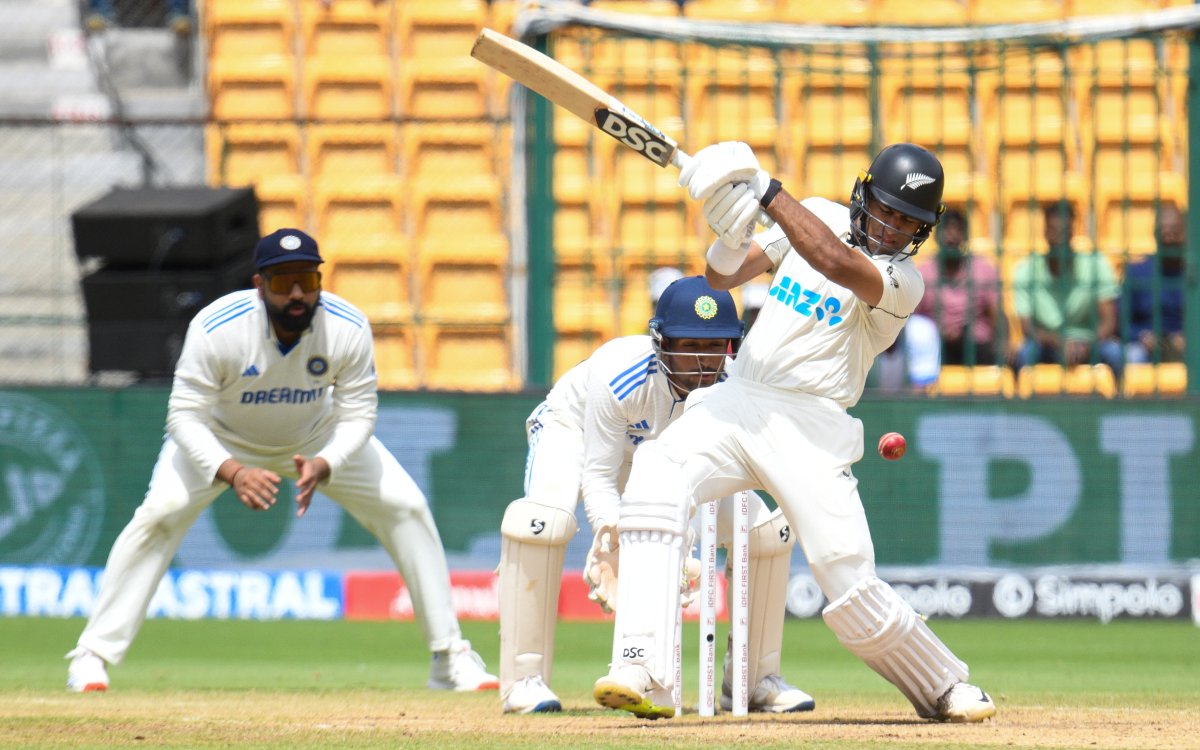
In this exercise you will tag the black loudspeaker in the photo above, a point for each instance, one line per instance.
(167, 228)
(137, 319)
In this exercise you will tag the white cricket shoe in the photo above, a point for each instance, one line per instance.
(530, 695)
(87, 672)
(629, 687)
(460, 669)
(772, 695)
(964, 703)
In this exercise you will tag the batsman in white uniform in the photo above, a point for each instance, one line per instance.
(841, 291)
(276, 381)
(581, 442)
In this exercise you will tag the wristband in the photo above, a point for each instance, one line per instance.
(233, 479)
(769, 194)
(724, 259)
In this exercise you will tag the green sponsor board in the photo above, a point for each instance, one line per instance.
(983, 483)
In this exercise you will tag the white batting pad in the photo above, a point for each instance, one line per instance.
(875, 624)
(534, 542)
(647, 602)
(770, 567)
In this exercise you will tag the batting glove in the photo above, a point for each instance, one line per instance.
(720, 164)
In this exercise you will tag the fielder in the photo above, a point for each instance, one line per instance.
(842, 289)
(581, 439)
(276, 381)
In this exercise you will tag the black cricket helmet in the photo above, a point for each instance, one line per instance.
(906, 178)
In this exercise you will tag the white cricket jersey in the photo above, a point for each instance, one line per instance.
(815, 336)
(235, 386)
(621, 398)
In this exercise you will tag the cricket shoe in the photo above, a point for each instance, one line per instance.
(964, 703)
(530, 695)
(87, 672)
(772, 695)
(460, 669)
(629, 687)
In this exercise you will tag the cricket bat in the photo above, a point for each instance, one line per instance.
(573, 92)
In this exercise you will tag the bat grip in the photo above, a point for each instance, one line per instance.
(680, 160)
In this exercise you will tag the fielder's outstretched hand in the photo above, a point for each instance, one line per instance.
(311, 471)
(255, 488)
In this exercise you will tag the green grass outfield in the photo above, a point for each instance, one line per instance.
(360, 684)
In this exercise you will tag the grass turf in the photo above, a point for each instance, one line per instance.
(360, 684)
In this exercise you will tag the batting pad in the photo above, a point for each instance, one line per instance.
(534, 542)
(770, 567)
(875, 624)
(647, 604)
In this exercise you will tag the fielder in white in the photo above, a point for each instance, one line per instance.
(276, 381)
(842, 289)
(581, 441)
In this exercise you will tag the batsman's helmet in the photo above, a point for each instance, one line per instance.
(905, 178)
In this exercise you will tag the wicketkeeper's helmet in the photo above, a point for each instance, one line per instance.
(690, 309)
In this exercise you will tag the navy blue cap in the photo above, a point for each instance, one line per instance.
(285, 246)
(690, 309)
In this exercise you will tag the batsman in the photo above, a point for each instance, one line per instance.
(581, 440)
(842, 288)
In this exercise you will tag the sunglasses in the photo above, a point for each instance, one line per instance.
(282, 283)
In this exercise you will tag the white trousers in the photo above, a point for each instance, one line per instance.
(799, 448)
(372, 486)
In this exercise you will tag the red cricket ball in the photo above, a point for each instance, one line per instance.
(892, 446)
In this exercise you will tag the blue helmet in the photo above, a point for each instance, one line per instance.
(690, 309)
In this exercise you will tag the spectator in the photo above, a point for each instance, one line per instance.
(1154, 293)
(1066, 301)
(961, 298)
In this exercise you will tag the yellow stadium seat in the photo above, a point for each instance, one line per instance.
(365, 214)
(920, 12)
(981, 380)
(283, 201)
(983, 12)
(468, 358)
(395, 357)
(346, 28)
(845, 13)
(833, 109)
(454, 291)
(244, 153)
(352, 150)
(831, 172)
(583, 302)
(1056, 380)
(460, 220)
(356, 87)
(446, 152)
(438, 78)
(733, 10)
(1127, 207)
(572, 348)
(255, 88)
(654, 232)
(249, 29)
(734, 107)
(926, 104)
(380, 288)
(1112, 7)
(1142, 380)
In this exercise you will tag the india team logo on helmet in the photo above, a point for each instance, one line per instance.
(706, 307)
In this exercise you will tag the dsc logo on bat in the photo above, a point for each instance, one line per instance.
(637, 135)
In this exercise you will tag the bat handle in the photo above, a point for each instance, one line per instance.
(680, 160)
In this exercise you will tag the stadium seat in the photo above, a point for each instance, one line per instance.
(925, 103)
(446, 152)
(438, 78)
(572, 348)
(459, 219)
(352, 150)
(981, 380)
(244, 154)
(919, 12)
(357, 87)
(249, 28)
(365, 215)
(743, 107)
(831, 172)
(983, 12)
(462, 291)
(346, 28)
(283, 201)
(468, 358)
(254, 88)
(1056, 380)
(381, 288)
(1127, 208)
(845, 13)
(396, 357)
(583, 303)
(833, 98)
(1148, 380)
(743, 11)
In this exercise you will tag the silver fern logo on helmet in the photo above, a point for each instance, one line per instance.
(916, 180)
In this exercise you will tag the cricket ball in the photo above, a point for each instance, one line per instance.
(892, 446)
